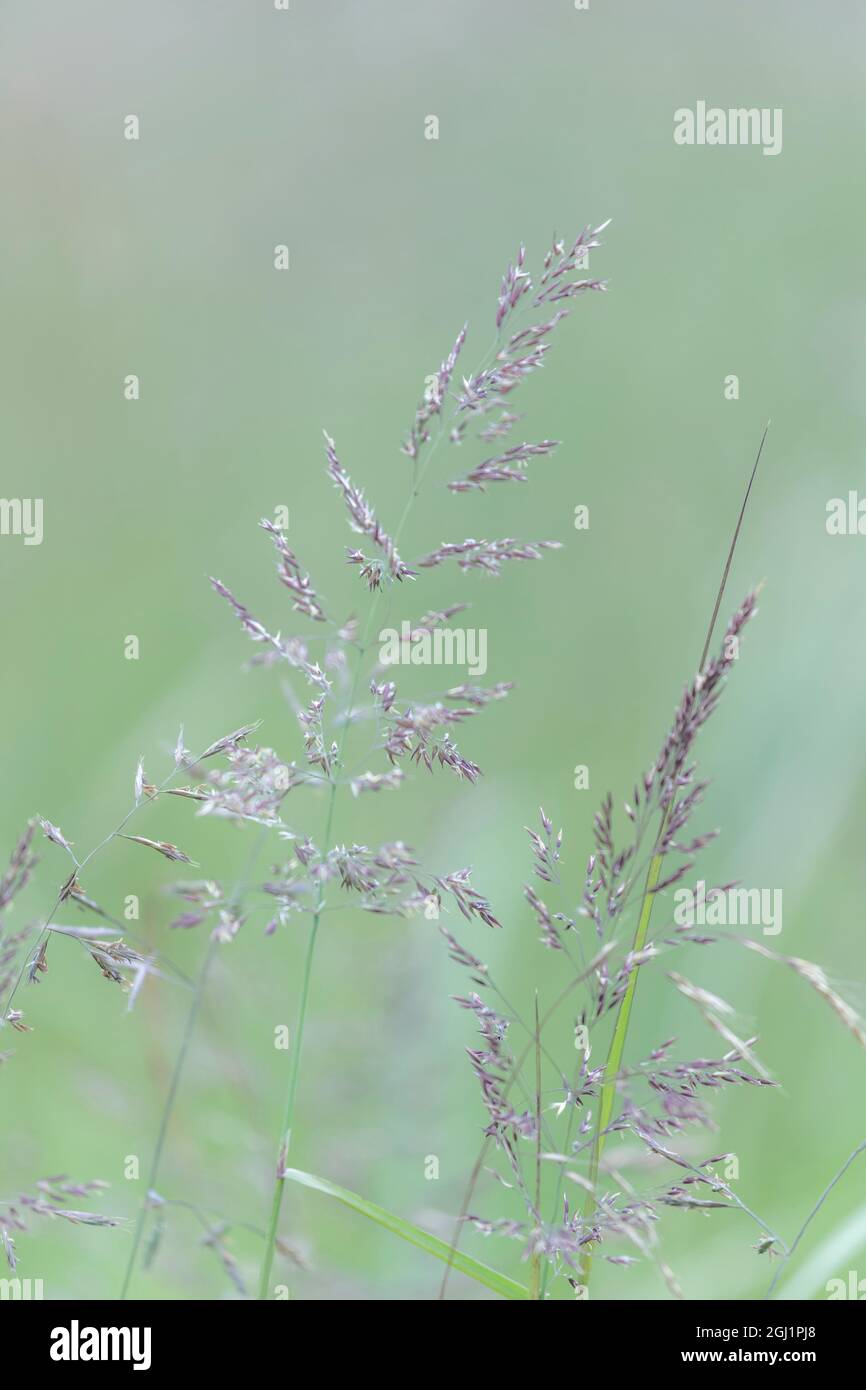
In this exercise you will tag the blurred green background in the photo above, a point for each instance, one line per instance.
(156, 258)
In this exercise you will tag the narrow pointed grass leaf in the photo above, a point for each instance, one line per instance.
(464, 1264)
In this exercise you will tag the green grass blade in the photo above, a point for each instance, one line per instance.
(464, 1264)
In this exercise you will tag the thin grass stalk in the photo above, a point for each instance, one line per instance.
(180, 1064)
(646, 907)
(557, 1196)
(167, 1112)
(620, 1033)
(617, 1045)
(535, 1267)
(80, 865)
(486, 1143)
(297, 1048)
(861, 1148)
(294, 1073)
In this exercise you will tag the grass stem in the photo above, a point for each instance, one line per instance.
(298, 1040)
(294, 1073)
(180, 1064)
(620, 1032)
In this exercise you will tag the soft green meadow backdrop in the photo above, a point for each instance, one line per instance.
(155, 257)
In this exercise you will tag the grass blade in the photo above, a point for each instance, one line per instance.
(464, 1264)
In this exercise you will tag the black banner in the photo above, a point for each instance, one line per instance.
(64, 1339)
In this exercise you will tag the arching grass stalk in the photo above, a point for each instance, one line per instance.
(789, 1253)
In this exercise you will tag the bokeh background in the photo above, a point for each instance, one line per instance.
(156, 258)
